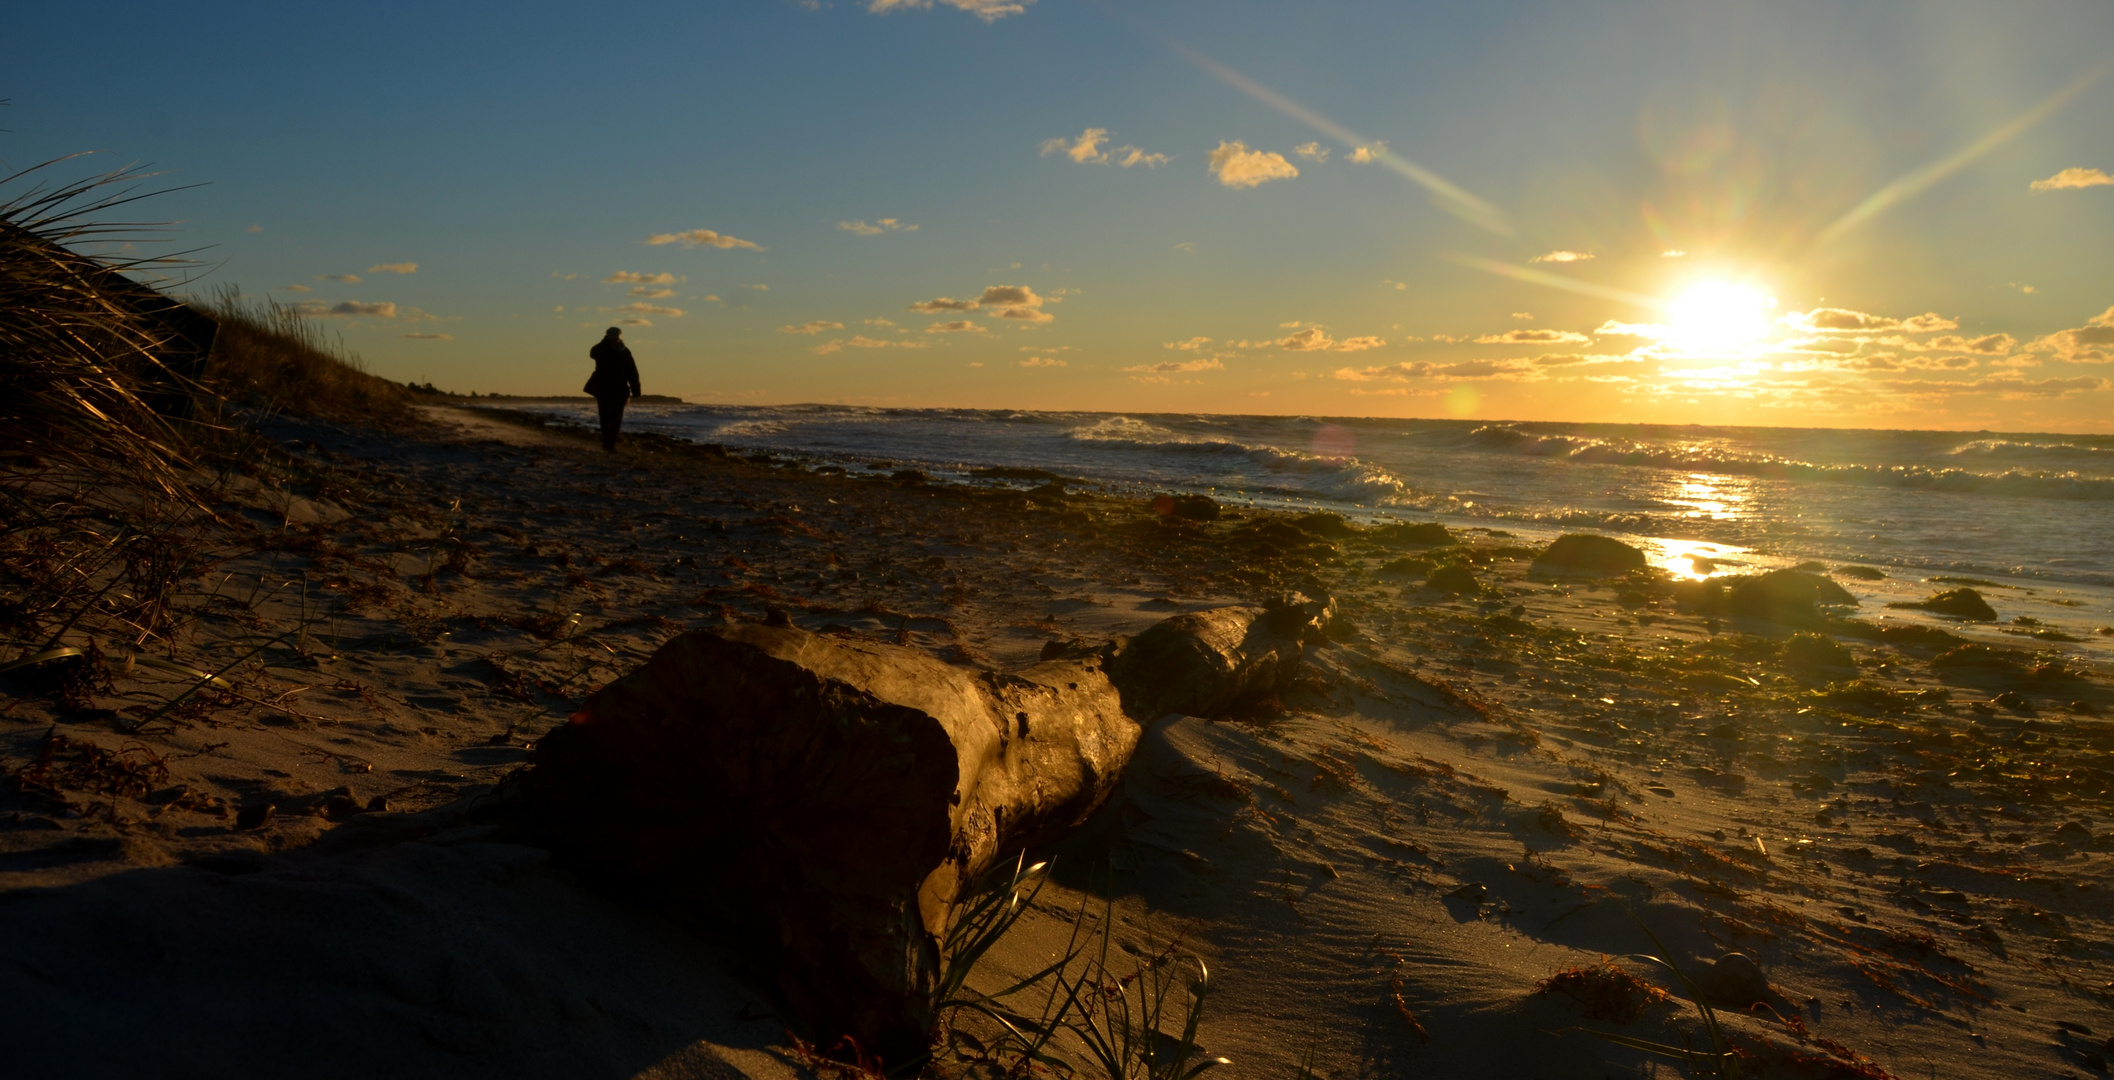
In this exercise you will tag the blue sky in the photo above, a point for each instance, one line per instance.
(523, 155)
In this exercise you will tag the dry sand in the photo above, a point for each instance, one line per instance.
(1459, 802)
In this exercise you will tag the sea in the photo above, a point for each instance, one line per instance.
(2029, 516)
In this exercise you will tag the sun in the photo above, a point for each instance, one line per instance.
(1720, 315)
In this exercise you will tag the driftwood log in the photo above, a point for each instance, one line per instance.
(825, 802)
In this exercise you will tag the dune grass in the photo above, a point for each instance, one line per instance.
(268, 355)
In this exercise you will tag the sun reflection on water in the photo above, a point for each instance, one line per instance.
(1703, 496)
(1695, 560)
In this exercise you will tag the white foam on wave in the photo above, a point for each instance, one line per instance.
(2045, 484)
(1345, 478)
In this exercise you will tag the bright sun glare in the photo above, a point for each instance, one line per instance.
(1721, 315)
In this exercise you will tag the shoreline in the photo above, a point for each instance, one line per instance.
(1358, 859)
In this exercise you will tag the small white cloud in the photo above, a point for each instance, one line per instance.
(1611, 328)
(1191, 345)
(1186, 245)
(1127, 156)
(634, 278)
(652, 309)
(346, 309)
(650, 293)
(1986, 345)
(943, 303)
(343, 279)
(815, 327)
(1179, 367)
(1366, 155)
(1532, 337)
(2073, 178)
(881, 225)
(1562, 257)
(394, 268)
(1845, 321)
(1239, 167)
(1389, 283)
(758, 288)
(958, 326)
(861, 341)
(299, 288)
(701, 238)
(1312, 151)
(1086, 150)
(431, 337)
(634, 320)
(878, 322)
(1042, 361)
(987, 10)
(1315, 339)
(1523, 316)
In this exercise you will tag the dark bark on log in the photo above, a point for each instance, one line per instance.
(831, 800)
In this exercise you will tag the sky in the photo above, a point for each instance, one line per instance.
(1864, 214)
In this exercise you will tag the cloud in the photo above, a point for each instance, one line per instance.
(877, 322)
(1127, 156)
(1239, 167)
(1987, 344)
(2007, 385)
(253, 228)
(701, 238)
(880, 225)
(1042, 361)
(1845, 321)
(861, 341)
(1017, 302)
(958, 326)
(1390, 283)
(347, 279)
(1366, 155)
(1186, 245)
(641, 308)
(1086, 151)
(1191, 345)
(393, 268)
(987, 10)
(1562, 257)
(650, 293)
(2073, 178)
(1422, 369)
(634, 321)
(1572, 359)
(430, 337)
(1533, 337)
(299, 288)
(815, 327)
(1312, 151)
(2092, 343)
(634, 278)
(1179, 367)
(1315, 339)
(346, 309)
(932, 307)
(1651, 331)
(1523, 316)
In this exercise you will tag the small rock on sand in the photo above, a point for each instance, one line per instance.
(1735, 980)
(1590, 553)
(1958, 603)
(1419, 534)
(1786, 596)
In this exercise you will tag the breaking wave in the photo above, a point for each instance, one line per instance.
(2048, 484)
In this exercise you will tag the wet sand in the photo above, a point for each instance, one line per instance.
(1459, 801)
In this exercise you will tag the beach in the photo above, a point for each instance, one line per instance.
(1481, 781)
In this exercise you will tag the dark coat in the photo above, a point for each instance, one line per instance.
(615, 371)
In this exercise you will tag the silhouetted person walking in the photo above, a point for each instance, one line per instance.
(615, 381)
